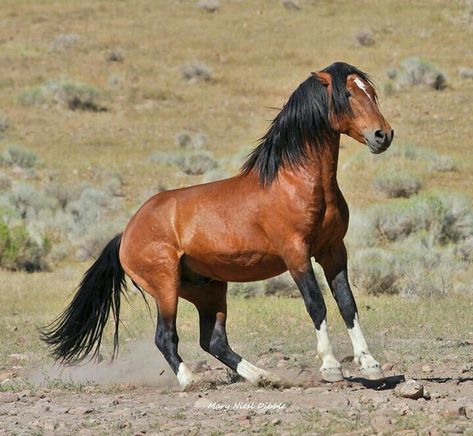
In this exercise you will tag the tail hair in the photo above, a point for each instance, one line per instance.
(78, 331)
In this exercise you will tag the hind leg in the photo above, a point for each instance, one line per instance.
(211, 303)
(159, 276)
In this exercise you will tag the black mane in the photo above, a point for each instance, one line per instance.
(303, 120)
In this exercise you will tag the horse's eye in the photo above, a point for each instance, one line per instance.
(348, 93)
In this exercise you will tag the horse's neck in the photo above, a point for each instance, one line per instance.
(317, 177)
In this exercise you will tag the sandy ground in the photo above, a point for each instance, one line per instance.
(141, 404)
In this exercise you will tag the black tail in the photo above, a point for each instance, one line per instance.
(78, 330)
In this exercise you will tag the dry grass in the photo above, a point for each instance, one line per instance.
(252, 72)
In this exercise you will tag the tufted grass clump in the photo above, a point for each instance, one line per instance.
(396, 183)
(17, 155)
(65, 93)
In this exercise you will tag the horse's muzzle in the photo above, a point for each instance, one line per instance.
(378, 140)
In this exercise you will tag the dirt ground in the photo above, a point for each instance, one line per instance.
(226, 405)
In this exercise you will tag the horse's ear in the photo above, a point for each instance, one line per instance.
(323, 77)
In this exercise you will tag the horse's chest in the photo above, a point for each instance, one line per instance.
(331, 227)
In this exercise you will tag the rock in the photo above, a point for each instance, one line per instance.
(426, 368)
(8, 397)
(410, 389)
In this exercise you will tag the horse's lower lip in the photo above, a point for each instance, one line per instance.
(375, 149)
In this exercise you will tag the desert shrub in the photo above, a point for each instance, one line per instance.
(397, 183)
(90, 208)
(3, 124)
(115, 81)
(115, 55)
(27, 201)
(291, 5)
(246, 290)
(188, 140)
(445, 217)
(464, 250)
(164, 157)
(415, 71)
(442, 163)
(18, 155)
(196, 71)
(19, 251)
(411, 246)
(391, 73)
(364, 38)
(114, 185)
(197, 162)
(407, 270)
(5, 182)
(208, 5)
(64, 193)
(465, 73)
(65, 92)
(93, 241)
(282, 285)
(388, 88)
(65, 41)
(375, 271)
(215, 174)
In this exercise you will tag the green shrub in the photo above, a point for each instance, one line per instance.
(19, 251)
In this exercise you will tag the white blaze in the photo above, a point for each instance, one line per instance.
(362, 86)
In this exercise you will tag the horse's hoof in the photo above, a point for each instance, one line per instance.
(374, 373)
(331, 375)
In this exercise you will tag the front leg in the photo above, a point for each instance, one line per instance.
(335, 267)
(306, 282)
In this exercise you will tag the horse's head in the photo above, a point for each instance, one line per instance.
(353, 106)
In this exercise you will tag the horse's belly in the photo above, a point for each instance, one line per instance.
(242, 267)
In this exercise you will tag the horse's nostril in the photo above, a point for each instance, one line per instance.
(379, 135)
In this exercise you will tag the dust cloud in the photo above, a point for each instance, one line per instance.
(139, 363)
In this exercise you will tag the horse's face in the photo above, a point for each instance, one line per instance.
(366, 124)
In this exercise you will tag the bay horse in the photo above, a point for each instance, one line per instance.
(284, 208)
